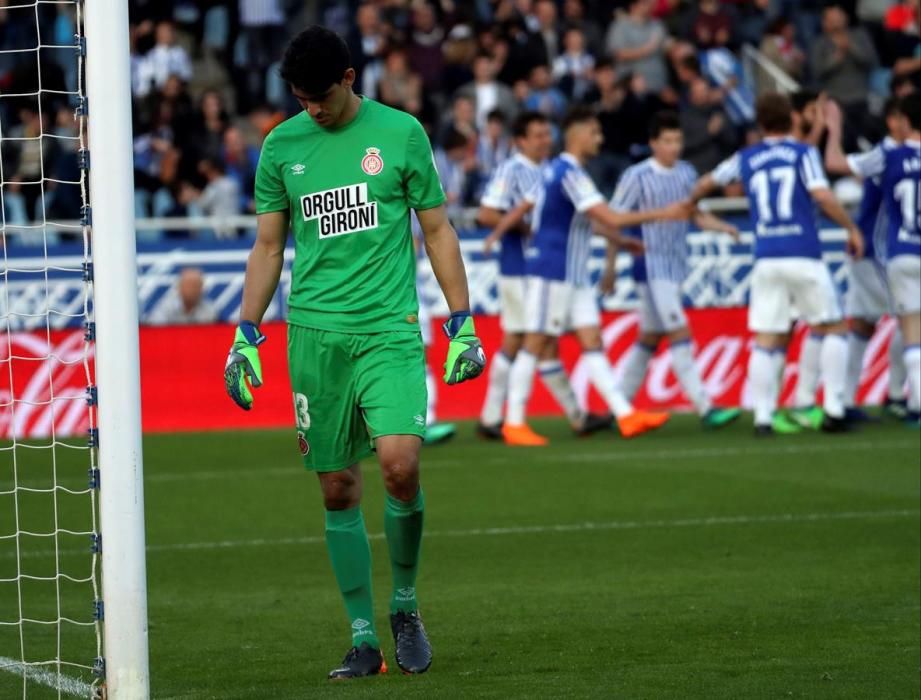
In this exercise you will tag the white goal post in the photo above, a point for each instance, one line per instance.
(121, 492)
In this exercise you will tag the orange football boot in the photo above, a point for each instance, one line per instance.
(640, 422)
(522, 436)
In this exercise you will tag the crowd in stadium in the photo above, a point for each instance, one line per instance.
(206, 88)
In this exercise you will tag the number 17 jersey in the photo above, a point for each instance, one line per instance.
(779, 175)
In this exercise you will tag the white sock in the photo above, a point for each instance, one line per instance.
(634, 369)
(496, 390)
(834, 368)
(762, 382)
(897, 373)
(602, 377)
(779, 362)
(807, 382)
(520, 382)
(686, 371)
(913, 366)
(554, 378)
(856, 348)
(432, 386)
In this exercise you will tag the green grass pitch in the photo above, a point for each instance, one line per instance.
(681, 565)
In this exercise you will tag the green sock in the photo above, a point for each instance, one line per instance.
(350, 554)
(403, 526)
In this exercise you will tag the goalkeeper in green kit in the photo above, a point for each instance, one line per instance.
(343, 175)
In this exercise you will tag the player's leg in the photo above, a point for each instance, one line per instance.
(896, 404)
(904, 273)
(630, 421)
(583, 311)
(391, 391)
(815, 295)
(769, 319)
(651, 333)
(332, 438)
(512, 318)
(867, 301)
(547, 302)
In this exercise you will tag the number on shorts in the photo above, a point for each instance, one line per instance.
(761, 185)
(301, 414)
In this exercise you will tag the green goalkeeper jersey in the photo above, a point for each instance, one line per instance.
(348, 192)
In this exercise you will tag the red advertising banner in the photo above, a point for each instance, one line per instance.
(43, 379)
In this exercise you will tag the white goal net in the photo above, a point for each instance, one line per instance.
(52, 611)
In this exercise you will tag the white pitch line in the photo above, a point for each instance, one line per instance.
(570, 527)
(37, 674)
(513, 456)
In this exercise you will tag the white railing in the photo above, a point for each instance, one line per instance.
(757, 66)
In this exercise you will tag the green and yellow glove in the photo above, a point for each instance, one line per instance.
(466, 359)
(243, 364)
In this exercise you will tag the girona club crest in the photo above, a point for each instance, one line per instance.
(302, 443)
(372, 163)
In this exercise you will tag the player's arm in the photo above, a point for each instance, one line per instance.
(832, 208)
(263, 270)
(512, 219)
(835, 157)
(706, 221)
(724, 173)
(611, 220)
(609, 273)
(466, 359)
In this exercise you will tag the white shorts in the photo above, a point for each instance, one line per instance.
(554, 307)
(780, 284)
(425, 323)
(661, 310)
(867, 291)
(904, 272)
(512, 315)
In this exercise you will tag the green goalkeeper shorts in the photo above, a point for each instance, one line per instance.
(350, 389)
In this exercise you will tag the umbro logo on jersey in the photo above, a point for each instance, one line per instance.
(298, 169)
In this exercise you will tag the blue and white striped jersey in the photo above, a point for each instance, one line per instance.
(513, 179)
(900, 170)
(561, 244)
(871, 216)
(779, 174)
(651, 185)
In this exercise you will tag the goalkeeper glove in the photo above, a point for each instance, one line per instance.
(243, 364)
(466, 359)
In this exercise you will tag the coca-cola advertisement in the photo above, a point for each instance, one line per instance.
(44, 376)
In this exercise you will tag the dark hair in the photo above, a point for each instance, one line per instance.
(774, 113)
(524, 120)
(496, 115)
(776, 25)
(454, 139)
(605, 63)
(801, 99)
(663, 121)
(910, 106)
(315, 59)
(892, 107)
(579, 114)
(692, 63)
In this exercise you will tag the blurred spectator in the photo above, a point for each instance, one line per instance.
(779, 46)
(162, 61)
(574, 16)
(903, 17)
(543, 97)
(638, 44)
(459, 51)
(546, 28)
(220, 198)
(262, 25)
(486, 92)
(425, 54)
(572, 69)
(711, 26)
(492, 148)
(241, 160)
(211, 121)
(400, 87)
(367, 44)
(708, 134)
(454, 162)
(841, 60)
(724, 70)
(185, 303)
(462, 119)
